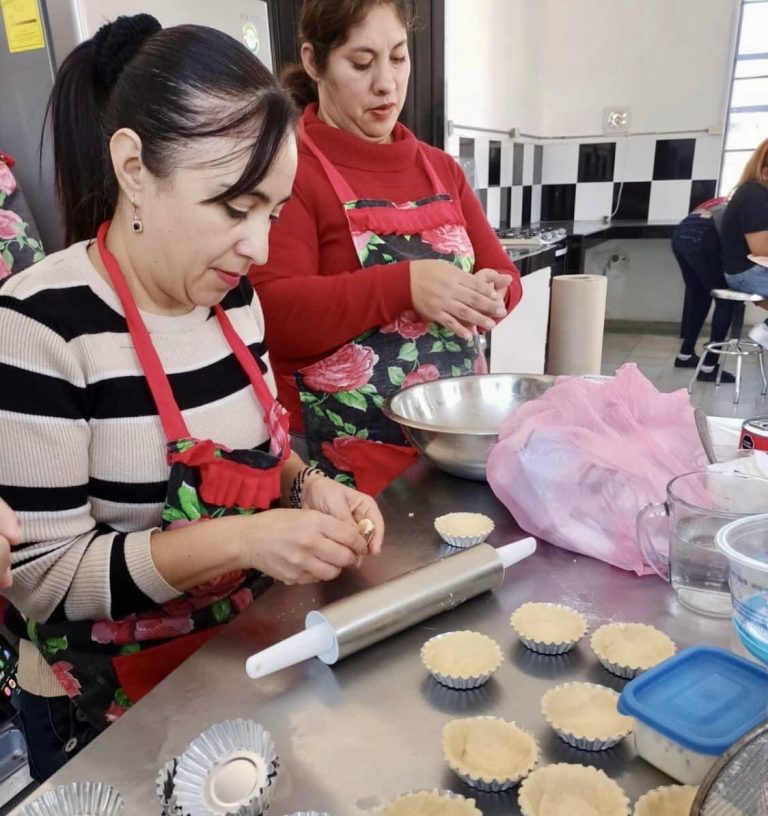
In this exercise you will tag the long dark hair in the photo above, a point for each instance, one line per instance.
(326, 26)
(170, 86)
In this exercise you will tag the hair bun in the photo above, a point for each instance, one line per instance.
(116, 43)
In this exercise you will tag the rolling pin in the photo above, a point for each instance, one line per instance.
(353, 623)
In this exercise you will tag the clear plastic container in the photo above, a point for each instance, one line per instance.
(745, 545)
(691, 708)
(682, 764)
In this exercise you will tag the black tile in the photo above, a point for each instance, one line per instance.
(635, 198)
(596, 161)
(702, 191)
(558, 202)
(483, 196)
(506, 207)
(466, 148)
(517, 164)
(538, 157)
(494, 163)
(673, 159)
(526, 219)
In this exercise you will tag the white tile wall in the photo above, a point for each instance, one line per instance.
(634, 158)
(669, 199)
(493, 210)
(507, 153)
(707, 157)
(593, 200)
(634, 161)
(536, 203)
(516, 211)
(481, 163)
(528, 163)
(560, 164)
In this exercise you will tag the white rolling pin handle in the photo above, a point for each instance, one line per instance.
(312, 642)
(516, 551)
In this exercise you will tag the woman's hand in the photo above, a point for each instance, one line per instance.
(10, 536)
(300, 546)
(442, 293)
(343, 503)
(497, 285)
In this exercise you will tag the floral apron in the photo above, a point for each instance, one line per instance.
(342, 394)
(106, 666)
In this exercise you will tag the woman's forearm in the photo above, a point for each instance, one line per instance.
(196, 553)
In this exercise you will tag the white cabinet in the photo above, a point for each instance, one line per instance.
(519, 342)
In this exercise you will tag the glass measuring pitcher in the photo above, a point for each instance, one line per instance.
(677, 538)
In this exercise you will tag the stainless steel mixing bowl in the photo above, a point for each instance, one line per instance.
(455, 422)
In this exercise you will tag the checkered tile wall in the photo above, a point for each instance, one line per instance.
(637, 177)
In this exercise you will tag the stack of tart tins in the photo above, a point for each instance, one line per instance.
(229, 770)
(77, 799)
(164, 787)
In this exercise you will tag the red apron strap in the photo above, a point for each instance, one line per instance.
(245, 358)
(275, 416)
(170, 416)
(437, 186)
(344, 192)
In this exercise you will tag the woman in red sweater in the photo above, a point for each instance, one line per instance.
(383, 266)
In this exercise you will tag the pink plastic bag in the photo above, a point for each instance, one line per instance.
(576, 466)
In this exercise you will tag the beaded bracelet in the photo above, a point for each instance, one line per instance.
(297, 488)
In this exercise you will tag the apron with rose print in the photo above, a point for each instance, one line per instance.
(106, 666)
(343, 393)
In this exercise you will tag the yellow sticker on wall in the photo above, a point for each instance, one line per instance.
(23, 26)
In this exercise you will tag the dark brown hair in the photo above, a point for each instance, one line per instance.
(159, 83)
(326, 26)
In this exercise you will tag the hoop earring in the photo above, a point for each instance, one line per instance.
(137, 225)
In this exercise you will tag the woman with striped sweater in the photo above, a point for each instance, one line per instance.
(136, 396)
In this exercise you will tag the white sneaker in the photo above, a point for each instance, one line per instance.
(759, 334)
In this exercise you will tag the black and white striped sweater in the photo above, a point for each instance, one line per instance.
(82, 450)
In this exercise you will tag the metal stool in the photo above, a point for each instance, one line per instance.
(734, 346)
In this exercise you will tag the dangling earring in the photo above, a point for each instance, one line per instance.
(137, 225)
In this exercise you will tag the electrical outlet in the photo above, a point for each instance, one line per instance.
(616, 120)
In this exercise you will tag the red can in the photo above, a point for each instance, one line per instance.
(754, 434)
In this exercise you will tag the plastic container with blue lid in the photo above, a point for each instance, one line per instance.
(693, 707)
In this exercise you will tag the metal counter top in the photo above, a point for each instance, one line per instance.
(352, 736)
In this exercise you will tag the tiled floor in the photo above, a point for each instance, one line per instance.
(655, 355)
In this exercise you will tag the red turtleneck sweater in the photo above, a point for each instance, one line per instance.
(314, 294)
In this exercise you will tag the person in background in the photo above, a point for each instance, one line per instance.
(383, 266)
(696, 247)
(143, 449)
(10, 536)
(744, 234)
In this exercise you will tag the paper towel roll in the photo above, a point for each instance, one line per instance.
(576, 322)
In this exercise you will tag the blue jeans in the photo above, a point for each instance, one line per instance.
(753, 280)
(54, 732)
(696, 247)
